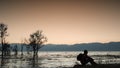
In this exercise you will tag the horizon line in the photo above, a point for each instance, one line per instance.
(73, 43)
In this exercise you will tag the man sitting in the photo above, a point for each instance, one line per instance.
(84, 58)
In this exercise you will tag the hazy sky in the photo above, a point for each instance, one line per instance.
(63, 22)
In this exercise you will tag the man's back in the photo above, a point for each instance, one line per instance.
(84, 58)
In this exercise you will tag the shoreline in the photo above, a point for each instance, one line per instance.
(98, 66)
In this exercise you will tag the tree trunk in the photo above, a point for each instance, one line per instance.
(2, 46)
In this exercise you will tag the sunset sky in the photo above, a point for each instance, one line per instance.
(62, 21)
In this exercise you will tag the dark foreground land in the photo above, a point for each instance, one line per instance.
(99, 66)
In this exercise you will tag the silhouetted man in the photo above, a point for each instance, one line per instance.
(84, 58)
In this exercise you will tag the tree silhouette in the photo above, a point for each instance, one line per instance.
(36, 40)
(15, 49)
(6, 49)
(22, 50)
(3, 34)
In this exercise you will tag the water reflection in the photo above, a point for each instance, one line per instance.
(4, 61)
(54, 59)
(34, 61)
(19, 61)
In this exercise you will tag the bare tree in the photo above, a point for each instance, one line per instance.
(3, 34)
(15, 49)
(36, 41)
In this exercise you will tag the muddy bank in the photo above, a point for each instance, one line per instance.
(99, 66)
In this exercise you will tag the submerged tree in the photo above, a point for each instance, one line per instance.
(36, 41)
(15, 49)
(3, 34)
(21, 50)
(6, 49)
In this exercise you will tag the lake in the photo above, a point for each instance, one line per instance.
(60, 59)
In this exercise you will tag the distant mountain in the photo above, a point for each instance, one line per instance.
(111, 46)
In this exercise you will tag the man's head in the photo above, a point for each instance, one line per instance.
(85, 52)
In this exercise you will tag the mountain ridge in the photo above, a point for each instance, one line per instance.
(111, 46)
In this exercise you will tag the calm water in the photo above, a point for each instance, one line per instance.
(60, 59)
